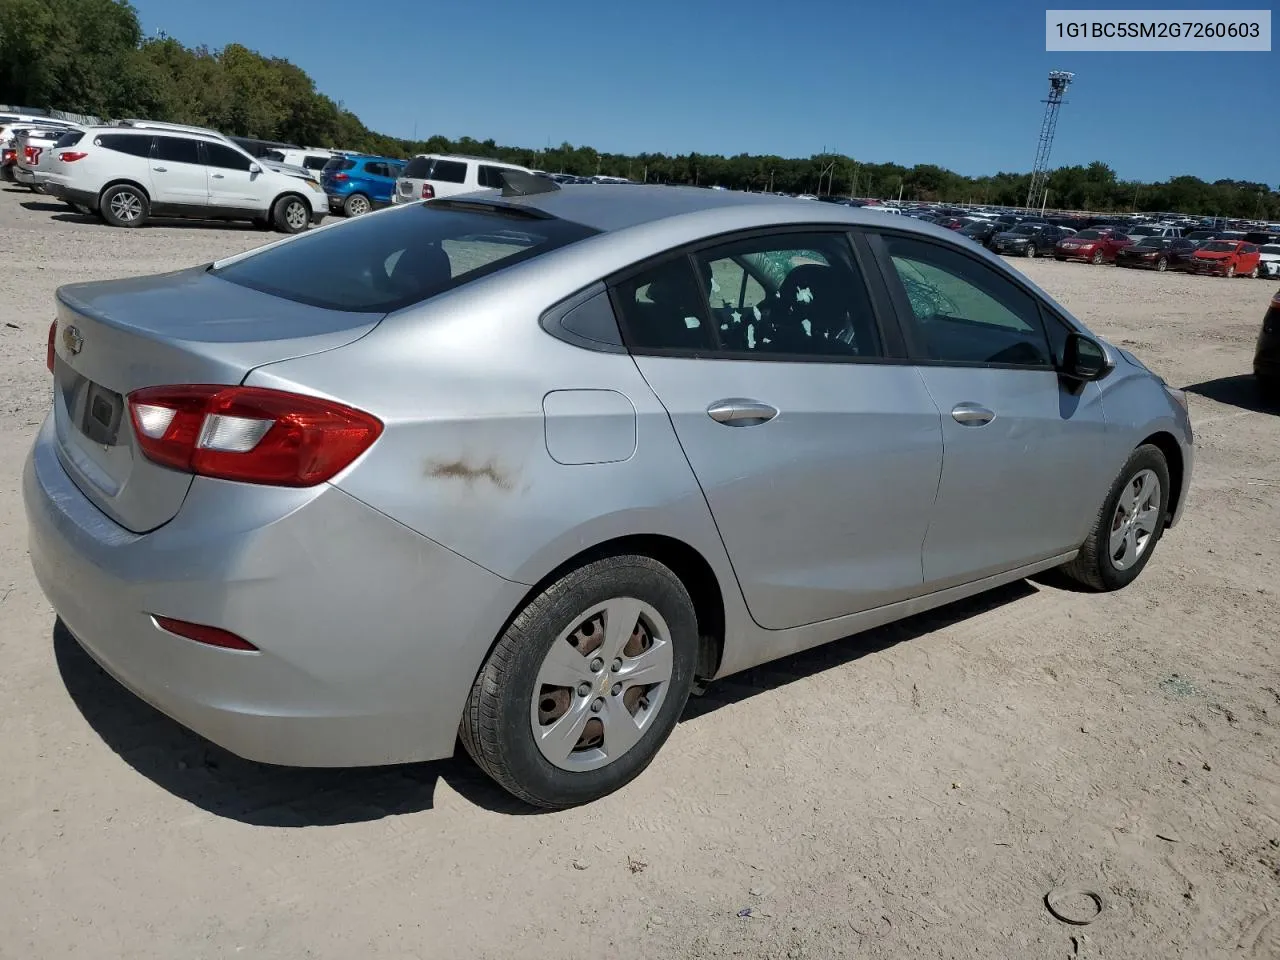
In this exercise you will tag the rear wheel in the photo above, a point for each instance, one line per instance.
(1031, 251)
(1231, 270)
(586, 683)
(291, 214)
(124, 205)
(1128, 526)
(1096, 258)
(356, 205)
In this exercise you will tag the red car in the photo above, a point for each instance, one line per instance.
(1097, 245)
(1226, 258)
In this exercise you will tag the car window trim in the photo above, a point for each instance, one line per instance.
(902, 306)
(890, 336)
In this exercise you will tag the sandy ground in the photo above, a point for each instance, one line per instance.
(911, 792)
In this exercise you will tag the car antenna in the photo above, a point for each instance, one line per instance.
(517, 183)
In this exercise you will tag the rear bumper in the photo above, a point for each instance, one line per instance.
(370, 634)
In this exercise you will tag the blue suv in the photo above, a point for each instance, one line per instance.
(358, 184)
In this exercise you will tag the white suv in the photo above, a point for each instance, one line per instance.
(430, 175)
(127, 174)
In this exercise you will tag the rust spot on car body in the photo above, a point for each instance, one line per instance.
(469, 473)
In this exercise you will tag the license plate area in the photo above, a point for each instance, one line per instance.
(103, 411)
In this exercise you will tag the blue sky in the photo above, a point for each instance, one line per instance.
(925, 81)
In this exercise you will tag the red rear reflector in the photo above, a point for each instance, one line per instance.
(71, 156)
(428, 192)
(210, 636)
(249, 434)
(53, 332)
(341, 176)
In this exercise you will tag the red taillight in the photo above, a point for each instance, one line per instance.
(202, 634)
(339, 176)
(71, 156)
(249, 434)
(428, 192)
(53, 332)
(28, 154)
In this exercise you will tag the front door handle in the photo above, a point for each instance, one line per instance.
(160, 169)
(971, 414)
(741, 412)
(218, 176)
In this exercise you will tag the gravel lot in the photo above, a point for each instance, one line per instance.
(913, 791)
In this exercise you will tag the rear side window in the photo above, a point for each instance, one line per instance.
(69, 139)
(315, 163)
(419, 168)
(131, 144)
(177, 150)
(491, 176)
(448, 171)
(408, 255)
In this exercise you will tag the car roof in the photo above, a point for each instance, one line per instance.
(465, 156)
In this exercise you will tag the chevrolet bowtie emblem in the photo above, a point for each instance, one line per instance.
(72, 340)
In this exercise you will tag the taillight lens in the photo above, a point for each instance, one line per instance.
(53, 332)
(249, 434)
(28, 153)
(340, 176)
(428, 192)
(210, 636)
(71, 156)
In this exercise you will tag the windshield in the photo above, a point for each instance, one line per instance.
(410, 254)
(1145, 231)
(978, 227)
(1088, 235)
(1157, 243)
(1218, 246)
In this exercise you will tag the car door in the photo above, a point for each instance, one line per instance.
(178, 175)
(1021, 476)
(233, 185)
(817, 453)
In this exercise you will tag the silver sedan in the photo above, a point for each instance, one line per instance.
(531, 466)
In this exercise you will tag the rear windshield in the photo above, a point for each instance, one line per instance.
(419, 168)
(410, 254)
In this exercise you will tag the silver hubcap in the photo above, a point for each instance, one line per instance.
(1134, 523)
(1160, 265)
(601, 684)
(126, 206)
(359, 205)
(295, 214)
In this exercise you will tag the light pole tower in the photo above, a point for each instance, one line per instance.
(1059, 80)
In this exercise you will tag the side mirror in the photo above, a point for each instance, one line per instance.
(255, 168)
(1083, 359)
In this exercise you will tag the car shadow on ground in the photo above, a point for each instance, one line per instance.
(64, 214)
(1238, 391)
(192, 768)
(49, 206)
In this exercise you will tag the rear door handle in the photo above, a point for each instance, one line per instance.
(160, 169)
(218, 176)
(971, 414)
(741, 412)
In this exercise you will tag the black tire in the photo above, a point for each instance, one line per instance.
(291, 214)
(1269, 390)
(356, 205)
(1031, 251)
(1253, 274)
(496, 729)
(1093, 566)
(116, 202)
(1162, 264)
(1097, 258)
(261, 223)
(1231, 271)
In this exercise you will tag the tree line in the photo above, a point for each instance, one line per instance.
(90, 56)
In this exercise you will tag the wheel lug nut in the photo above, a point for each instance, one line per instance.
(584, 689)
(597, 706)
(597, 665)
(617, 665)
(617, 689)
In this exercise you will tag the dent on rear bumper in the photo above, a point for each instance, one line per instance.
(370, 634)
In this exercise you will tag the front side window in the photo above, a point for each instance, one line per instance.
(964, 312)
(177, 150)
(224, 157)
(402, 257)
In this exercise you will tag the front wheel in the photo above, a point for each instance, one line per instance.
(1128, 526)
(586, 683)
(1231, 271)
(1031, 251)
(1096, 258)
(1162, 265)
(1253, 274)
(291, 214)
(124, 206)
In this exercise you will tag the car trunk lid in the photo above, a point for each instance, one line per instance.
(118, 336)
